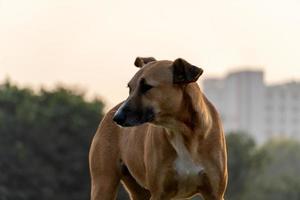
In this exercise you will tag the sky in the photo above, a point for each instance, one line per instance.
(91, 45)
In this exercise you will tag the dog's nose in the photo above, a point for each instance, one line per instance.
(119, 118)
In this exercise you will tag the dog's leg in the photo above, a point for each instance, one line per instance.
(159, 197)
(209, 196)
(135, 190)
(104, 169)
(105, 181)
(104, 187)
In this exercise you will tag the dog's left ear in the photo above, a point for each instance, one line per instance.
(184, 72)
(141, 61)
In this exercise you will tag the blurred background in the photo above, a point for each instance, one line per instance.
(64, 63)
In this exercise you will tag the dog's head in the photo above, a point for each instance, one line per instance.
(156, 91)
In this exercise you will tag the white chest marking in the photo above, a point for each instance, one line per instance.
(184, 164)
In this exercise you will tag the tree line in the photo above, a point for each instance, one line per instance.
(45, 138)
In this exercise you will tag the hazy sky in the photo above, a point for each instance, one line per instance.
(93, 44)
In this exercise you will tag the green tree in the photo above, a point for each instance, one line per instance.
(280, 178)
(44, 143)
(244, 160)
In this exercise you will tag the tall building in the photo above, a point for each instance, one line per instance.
(247, 104)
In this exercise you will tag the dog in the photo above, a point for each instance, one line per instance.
(165, 141)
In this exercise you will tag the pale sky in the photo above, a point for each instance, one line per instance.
(92, 44)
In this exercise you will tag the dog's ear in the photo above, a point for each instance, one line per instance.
(141, 61)
(184, 72)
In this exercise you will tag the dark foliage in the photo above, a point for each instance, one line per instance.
(44, 142)
(244, 161)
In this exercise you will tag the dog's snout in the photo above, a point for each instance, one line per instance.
(127, 116)
(119, 118)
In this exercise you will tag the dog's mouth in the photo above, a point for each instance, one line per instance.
(131, 123)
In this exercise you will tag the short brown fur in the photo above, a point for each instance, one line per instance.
(142, 157)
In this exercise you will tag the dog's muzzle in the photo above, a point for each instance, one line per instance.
(127, 117)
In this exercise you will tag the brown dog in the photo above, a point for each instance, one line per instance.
(170, 142)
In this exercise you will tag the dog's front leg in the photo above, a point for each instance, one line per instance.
(212, 198)
(162, 195)
(105, 172)
(159, 197)
(104, 188)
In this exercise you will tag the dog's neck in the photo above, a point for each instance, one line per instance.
(197, 114)
(195, 122)
(195, 118)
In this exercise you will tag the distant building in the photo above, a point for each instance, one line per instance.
(247, 104)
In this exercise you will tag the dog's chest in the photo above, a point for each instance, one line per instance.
(188, 172)
(185, 167)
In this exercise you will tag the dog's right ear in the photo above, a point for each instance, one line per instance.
(141, 61)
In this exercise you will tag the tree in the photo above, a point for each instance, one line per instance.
(280, 178)
(44, 143)
(244, 160)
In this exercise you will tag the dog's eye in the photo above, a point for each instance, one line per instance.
(144, 86)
